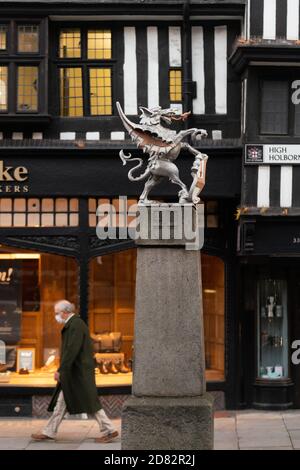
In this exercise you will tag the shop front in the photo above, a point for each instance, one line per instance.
(49, 250)
(269, 249)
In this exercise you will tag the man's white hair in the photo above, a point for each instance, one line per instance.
(65, 306)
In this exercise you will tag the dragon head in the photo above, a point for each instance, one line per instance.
(156, 116)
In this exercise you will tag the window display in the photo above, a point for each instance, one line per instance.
(213, 281)
(111, 312)
(272, 329)
(30, 284)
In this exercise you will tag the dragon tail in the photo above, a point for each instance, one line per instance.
(126, 158)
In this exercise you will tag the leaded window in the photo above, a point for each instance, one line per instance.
(85, 72)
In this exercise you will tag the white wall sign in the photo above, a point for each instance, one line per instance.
(273, 154)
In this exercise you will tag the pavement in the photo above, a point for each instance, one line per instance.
(242, 430)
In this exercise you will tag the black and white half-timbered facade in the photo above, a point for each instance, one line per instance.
(63, 66)
(267, 59)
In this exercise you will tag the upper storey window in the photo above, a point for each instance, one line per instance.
(23, 81)
(28, 38)
(99, 44)
(3, 37)
(274, 107)
(280, 107)
(175, 85)
(70, 44)
(85, 72)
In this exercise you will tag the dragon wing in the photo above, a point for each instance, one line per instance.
(145, 136)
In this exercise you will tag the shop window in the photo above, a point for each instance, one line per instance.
(30, 284)
(27, 88)
(34, 212)
(111, 310)
(213, 311)
(71, 94)
(99, 44)
(272, 331)
(86, 76)
(28, 38)
(3, 37)
(175, 85)
(100, 91)
(274, 107)
(3, 88)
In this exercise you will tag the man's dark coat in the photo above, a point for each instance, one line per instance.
(77, 373)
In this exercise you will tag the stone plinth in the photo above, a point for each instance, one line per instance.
(169, 340)
(168, 423)
(169, 408)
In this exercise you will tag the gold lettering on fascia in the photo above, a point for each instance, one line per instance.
(10, 173)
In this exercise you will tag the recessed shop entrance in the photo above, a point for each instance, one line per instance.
(270, 326)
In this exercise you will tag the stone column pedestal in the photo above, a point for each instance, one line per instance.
(152, 423)
(170, 408)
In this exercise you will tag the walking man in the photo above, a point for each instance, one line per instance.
(76, 390)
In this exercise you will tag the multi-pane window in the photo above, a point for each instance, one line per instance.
(23, 78)
(100, 91)
(99, 44)
(3, 88)
(34, 212)
(71, 97)
(279, 111)
(175, 85)
(3, 37)
(86, 76)
(70, 43)
(28, 38)
(274, 107)
(27, 88)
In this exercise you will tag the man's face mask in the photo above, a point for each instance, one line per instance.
(59, 319)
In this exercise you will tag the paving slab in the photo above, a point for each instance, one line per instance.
(14, 443)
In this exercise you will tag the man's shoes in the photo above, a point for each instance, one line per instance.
(41, 437)
(108, 438)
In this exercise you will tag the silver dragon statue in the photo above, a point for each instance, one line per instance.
(163, 147)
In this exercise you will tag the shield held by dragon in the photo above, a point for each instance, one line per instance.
(163, 147)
